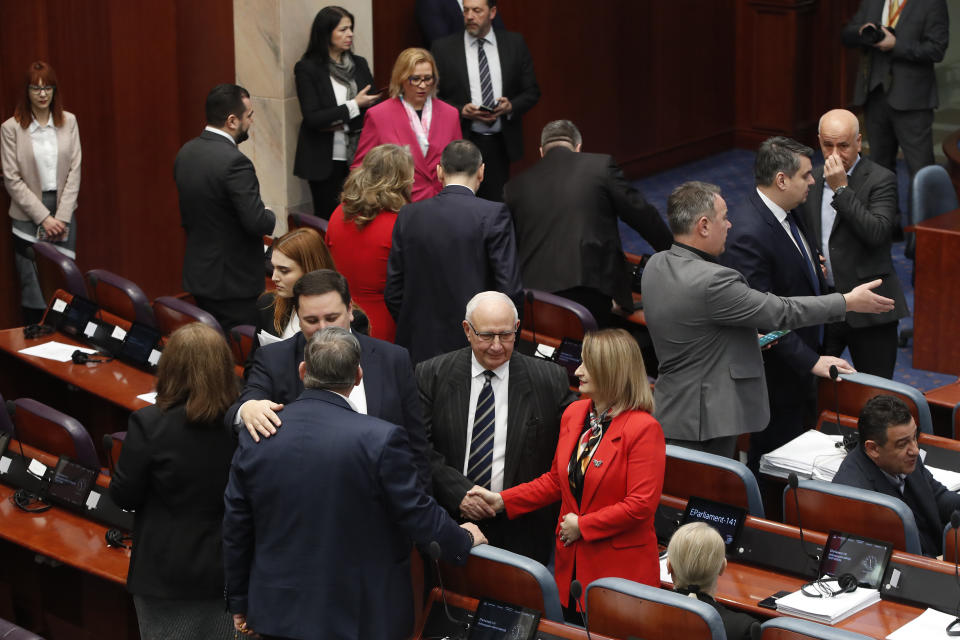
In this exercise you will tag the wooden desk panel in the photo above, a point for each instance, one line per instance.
(936, 313)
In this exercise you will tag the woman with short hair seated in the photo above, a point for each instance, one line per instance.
(696, 558)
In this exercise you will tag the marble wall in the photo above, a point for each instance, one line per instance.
(269, 38)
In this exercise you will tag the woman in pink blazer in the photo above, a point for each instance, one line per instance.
(607, 472)
(40, 151)
(413, 117)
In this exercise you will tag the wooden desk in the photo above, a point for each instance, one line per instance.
(936, 308)
(942, 400)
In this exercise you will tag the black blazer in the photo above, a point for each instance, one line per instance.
(862, 235)
(173, 474)
(931, 502)
(446, 250)
(389, 386)
(538, 393)
(565, 211)
(516, 70)
(321, 113)
(223, 217)
(318, 525)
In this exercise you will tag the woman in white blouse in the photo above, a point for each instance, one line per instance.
(40, 151)
(334, 88)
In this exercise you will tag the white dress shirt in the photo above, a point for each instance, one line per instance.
(781, 215)
(340, 137)
(473, 73)
(222, 133)
(45, 149)
(499, 383)
(827, 216)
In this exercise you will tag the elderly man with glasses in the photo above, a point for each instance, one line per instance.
(493, 417)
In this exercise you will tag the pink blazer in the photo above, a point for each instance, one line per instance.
(387, 123)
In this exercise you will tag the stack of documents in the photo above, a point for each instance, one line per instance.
(813, 449)
(949, 479)
(827, 610)
(929, 625)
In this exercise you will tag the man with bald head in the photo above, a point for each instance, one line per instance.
(493, 419)
(851, 212)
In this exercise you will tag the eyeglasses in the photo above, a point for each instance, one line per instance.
(421, 80)
(38, 89)
(505, 338)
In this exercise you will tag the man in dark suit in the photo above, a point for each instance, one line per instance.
(565, 211)
(852, 212)
(318, 520)
(387, 391)
(887, 460)
(896, 85)
(439, 18)
(488, 76)
(769, 246)
(222, 213)
(528, 395)
(445, 250)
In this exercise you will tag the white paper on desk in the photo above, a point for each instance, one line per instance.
(801, 454)
(267, 338)
(148, 397)
(664, 574)
(54, 350)
(929, 625)
(949, 479)
(827, 610)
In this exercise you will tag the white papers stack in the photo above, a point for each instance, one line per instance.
(813, 449)
(54, 350)
(949, 479)
(929, 625)
(827, 610)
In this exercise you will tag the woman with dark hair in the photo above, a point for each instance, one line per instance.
(40, 152)
(360, 232)
(413, 117)
(333, 86)
(173, 471)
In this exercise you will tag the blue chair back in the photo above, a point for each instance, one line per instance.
(690, 472)
(933, 194)
(796, 629)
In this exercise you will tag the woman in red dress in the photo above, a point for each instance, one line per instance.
(360, 231)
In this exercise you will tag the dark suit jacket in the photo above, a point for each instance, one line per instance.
(906, 71)
(861, 236)
(446, 250)
(931, 502)
(519, 82)
(318, 523)
(538, 392)
(173, 474)
(224, 219)
(565, 211)
(438, 18)
(320, 110)
(388, 384)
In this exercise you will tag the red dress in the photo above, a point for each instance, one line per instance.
(361, 256)
(621, 492)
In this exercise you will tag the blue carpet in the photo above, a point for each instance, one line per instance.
(732, 171)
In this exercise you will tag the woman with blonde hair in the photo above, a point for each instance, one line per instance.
(360, 231)
(607, 472)
(696, 559)
(173, 471)
(413, 117)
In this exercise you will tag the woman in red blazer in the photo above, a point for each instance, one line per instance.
(607, 472)
(413, 117)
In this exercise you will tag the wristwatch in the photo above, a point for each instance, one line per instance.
(839, 190)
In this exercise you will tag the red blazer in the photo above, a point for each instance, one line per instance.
(620, 498)
(387, 123)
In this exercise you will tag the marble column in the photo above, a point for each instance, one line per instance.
(269, 38)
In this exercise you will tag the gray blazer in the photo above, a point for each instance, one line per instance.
(703, 319)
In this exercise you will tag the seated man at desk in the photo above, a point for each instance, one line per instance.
(887, 460)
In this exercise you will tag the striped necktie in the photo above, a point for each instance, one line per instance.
(481, 444)
(486, 85)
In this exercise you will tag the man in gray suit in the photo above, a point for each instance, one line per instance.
(704, 318)
(497, 433)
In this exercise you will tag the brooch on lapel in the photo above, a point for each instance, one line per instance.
(597, 463)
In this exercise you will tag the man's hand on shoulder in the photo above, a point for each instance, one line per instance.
(260, 418)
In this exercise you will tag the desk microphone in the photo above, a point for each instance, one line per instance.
(433, 550)
(794, 483)
(850, 440)
(952, 628)
(576, 590)
(23, 499)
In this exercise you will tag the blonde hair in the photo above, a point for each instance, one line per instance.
(381, 183)
(197, 370)
(404, 66)
(697, 554)
(615, 364)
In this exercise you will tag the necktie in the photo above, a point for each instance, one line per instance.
(811, 274)
(893, 13)
(486, 85)
(481, 444)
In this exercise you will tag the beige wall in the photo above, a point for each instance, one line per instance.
(269, 38)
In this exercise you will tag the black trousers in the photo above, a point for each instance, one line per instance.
(230, 313)
(872, 349)
(496, 170)
(326, 193)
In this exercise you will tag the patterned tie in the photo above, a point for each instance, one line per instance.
(481, 444)
(893, 13)
(486, 85)
(811, 274)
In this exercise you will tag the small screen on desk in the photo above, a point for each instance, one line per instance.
(726, 519)
(501, 621)
(138, 344)
(71, 483)
(865, 558)
(77, 315)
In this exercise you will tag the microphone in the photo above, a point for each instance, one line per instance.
(850, 440)
(433, 550)
(794, 482)
(955, 523)
(576, 590)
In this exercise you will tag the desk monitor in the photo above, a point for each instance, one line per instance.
(865, 558)
(569, 355)
(501, 621)
(139, 346)
(75, 318)
(70, 484)
(725, 518)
